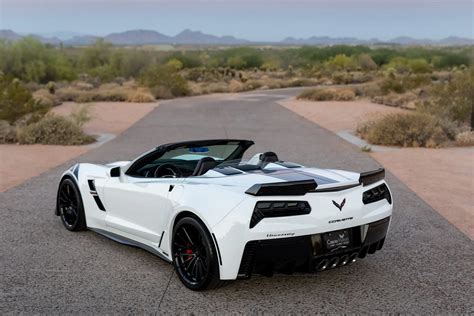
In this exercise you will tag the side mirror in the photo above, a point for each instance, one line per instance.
(115, 172)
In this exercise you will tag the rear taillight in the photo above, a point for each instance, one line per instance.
(278, 209)
(378, 193)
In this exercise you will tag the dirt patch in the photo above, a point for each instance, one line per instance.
(107, 117)
(338, 115)
(441, 177)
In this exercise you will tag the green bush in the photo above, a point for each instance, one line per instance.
(407, 130)
(16, 101)
(166, 77)
(54, 130)
(340, 62)
(403, 83)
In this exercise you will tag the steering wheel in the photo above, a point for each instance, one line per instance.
(167, 171)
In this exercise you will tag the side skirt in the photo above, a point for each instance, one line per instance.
(129, 242)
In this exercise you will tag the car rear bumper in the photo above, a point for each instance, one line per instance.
(309, 253)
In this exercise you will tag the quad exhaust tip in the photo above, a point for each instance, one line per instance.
(344, 260)
(353, 257)
(323, 265)
(334, 261)
(337, 261)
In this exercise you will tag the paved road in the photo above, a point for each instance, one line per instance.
(426, 264)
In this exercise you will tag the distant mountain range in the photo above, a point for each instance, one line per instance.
(189, 37)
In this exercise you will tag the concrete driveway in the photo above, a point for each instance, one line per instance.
(426, 265)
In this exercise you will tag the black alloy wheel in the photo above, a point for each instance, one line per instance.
(194, 255)
(70, 206)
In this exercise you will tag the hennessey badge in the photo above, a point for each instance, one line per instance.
(339, 206)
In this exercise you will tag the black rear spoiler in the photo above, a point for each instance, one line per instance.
(369, 177)
(282, 188)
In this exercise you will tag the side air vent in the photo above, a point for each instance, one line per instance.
(265, 209)
(91, 185)
(376, 194)
(94, 194)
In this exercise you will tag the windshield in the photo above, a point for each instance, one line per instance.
(217, 152)
(182, 158)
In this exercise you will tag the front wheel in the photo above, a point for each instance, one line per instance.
(194, 255)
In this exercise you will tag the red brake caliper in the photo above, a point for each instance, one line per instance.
(189, 251)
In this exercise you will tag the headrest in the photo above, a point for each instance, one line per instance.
(268, 157)
(204, 165)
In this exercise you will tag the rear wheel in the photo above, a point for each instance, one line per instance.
(194, 255)
(70, 206)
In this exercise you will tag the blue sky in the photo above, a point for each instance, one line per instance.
(254, 20)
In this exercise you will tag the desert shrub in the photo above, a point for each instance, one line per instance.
(397, 100)
(368, 90)
(195, 74)
(400, 64)
(7, 133)
(340, 62)
(54, 130)
(235, 86)
(236, 62)
(16, 101)
(465, 138)
(140, 97)
(195, 88)
(405, 129)
(167, 77)
(44, 98)
(403, 83)
(452, 100)
(328, 95)
(161, 92)
(366, 62)
(95, 95)
(301, 82)
(216, 87)
(175, 64)
(419, 65)
(81, 115)
(30, 60)
(361, 77)
(252, 85)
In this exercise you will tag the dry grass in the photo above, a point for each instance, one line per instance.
(330, 94)
(45, 98)
(83, 93)
(54, 130)
(406, 130)
(465, 138)
(405, 100)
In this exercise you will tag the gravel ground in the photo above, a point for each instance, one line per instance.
(426, 265)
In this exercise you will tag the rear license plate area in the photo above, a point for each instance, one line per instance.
(337, 240)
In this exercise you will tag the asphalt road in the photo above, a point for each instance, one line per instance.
(426, 265)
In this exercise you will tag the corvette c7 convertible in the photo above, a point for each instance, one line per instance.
(216, 217)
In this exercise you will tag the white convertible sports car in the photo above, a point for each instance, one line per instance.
(216, 217)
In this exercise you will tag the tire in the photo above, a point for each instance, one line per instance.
(70, 206)
(195, 259)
